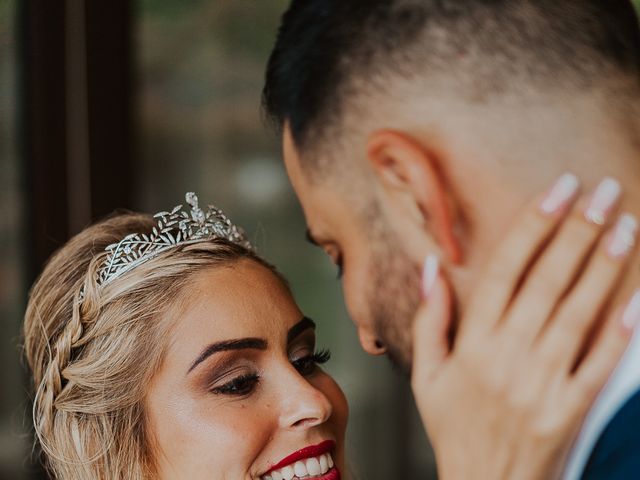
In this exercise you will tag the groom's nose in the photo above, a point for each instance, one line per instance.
(369, 342)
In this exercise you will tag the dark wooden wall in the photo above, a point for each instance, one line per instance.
(75, 81)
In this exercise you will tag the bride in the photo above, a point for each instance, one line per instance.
(164, 347)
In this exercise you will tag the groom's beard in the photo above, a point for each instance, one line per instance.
(394, 299)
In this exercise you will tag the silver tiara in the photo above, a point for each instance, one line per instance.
(174, 228)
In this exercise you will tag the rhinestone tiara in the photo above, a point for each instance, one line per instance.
(174, 228)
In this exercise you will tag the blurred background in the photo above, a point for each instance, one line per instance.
(105, 105)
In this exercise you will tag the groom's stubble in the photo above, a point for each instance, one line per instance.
(393, 294)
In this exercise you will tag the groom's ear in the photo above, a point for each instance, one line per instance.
(412, 178)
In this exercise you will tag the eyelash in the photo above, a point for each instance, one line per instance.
(308, 365)
(246, 384)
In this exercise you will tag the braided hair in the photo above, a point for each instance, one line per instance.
(91, 360)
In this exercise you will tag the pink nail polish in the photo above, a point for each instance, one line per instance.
(624, 236)
(430, 274)
(631, 315)
(562, 192)
(603, 200)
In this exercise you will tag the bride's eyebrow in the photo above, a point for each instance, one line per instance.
(227, 345)
(250, 343)
(304, 324)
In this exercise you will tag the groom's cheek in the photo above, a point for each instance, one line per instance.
(353, 288)
(358, 286)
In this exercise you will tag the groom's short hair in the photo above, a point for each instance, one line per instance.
(328, 51)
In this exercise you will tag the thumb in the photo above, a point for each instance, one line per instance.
(431, 324)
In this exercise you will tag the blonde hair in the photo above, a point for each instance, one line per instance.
(91, 361)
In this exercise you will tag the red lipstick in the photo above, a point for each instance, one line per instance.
(307, 452)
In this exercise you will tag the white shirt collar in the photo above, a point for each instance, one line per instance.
(624, 382)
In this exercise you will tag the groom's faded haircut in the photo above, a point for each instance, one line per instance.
(329, 51)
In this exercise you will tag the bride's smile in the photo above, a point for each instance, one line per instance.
(315, 461)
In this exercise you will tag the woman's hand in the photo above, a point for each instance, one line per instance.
(508, 398)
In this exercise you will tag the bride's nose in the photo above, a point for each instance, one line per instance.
(303, 406)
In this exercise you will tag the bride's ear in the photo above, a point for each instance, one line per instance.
(412, 179)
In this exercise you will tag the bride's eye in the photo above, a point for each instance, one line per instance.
(239, 386)
(308, 365)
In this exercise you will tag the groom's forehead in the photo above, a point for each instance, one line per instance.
(299, 175)
(321, 204)
(298, 179)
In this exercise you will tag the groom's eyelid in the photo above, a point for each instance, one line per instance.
(318, 240)
(326, 245)
(310, 238)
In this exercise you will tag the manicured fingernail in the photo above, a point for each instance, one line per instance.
(562, 192)
(631, 315)
(624, 236)
(603, 200)
(430, 274)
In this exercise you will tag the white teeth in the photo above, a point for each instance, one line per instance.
(313, 466)
(288, 473)
(303, 469)
(300, 469)
(324, 464)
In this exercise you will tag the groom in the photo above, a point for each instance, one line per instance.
(430, 122)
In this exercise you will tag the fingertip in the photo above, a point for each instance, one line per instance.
(431, 331)
(430, 274)
(631, 313)
(558, 199)
(433, 314)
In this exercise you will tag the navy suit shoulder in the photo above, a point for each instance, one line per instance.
(616, 455)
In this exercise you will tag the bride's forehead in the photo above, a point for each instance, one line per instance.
(242, 299)
(231, 282)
